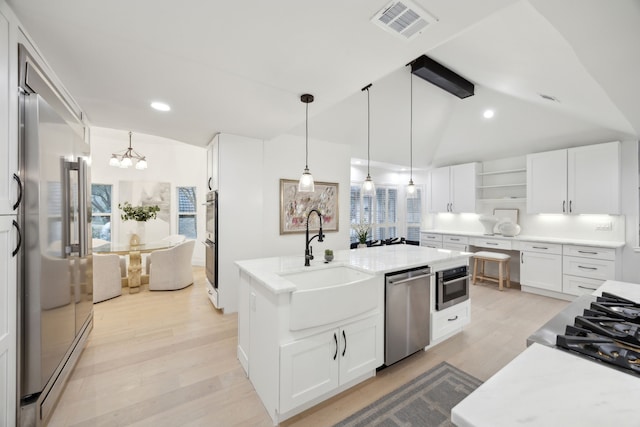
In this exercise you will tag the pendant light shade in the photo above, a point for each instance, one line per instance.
(306, 184)
(412, 191)
(368, 188)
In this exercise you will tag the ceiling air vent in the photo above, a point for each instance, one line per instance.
(403, 18)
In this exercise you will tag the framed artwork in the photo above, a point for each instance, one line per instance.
(294, 207)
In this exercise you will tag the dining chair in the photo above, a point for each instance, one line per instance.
(171, 268)
(172, 239)
(106, 277)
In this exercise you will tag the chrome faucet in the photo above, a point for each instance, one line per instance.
(308, 250)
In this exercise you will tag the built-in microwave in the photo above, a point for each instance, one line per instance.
(452, 287)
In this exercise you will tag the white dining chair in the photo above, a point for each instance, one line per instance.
(171, 268)
(107, 275)
(172, 239)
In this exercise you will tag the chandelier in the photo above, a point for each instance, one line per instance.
(125, 158)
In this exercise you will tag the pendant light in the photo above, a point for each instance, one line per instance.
(124, 159)
(306, 184)
(412, 191)
(368, 188)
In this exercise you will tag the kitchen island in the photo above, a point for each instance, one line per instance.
(547, 386)
(307, 333)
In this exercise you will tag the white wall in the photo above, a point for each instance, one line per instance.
(284, 158)
(171, 161)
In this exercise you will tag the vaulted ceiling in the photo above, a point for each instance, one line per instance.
(240, 67)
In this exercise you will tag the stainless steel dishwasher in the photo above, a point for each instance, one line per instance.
(407, 321)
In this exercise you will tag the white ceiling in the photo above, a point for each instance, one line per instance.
(240, 67)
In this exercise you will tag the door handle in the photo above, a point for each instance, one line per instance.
(344, 337)
(459, 279)
(399, 282)
(335, 338)
(17, 203)
(564, 203)
(19, 244)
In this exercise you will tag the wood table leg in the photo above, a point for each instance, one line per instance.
(134, 272)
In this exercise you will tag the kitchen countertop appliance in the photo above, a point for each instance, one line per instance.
(603, 328)
(407, 313)
(55, 307)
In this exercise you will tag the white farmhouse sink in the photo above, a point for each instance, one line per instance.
(329, 295)
(325, 277)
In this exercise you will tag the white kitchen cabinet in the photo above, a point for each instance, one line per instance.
(315, 365)
(431, 240)
(453, 188)
(491, 243)
(8, 148)
(585, 268)
(455, 242)
(541, 266)
(449, 320)
(8, 242)
(212, 164)
(239, 201)
(581, 180)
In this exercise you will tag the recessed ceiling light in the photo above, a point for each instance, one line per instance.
(488, 114)
(160, 106)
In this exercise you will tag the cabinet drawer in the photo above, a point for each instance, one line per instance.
(437, 245)
(430, 237)
(574, 285)
(455, 247)
(449, 320)
(542, 247)
(590, 252)
(490, 243)
(585, 267)
(459, 240)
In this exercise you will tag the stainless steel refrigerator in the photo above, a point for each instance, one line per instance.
(55, 272)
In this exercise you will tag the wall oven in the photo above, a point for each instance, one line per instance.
(452, 287)
(211, 240)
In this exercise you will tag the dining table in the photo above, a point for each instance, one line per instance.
(135, 277)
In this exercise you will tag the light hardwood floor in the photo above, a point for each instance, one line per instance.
(169, 359)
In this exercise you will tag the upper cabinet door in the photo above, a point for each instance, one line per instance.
(594, 179)
(440, 188)
(9, 184)
(463, 187)
(547, 182)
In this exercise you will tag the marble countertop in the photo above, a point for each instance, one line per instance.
(375, 260)
(530, 238)
(546, 386)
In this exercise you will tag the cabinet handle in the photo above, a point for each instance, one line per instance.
(344, 337)
(587, 268)
(588, 252)
(454, 240)
(521, 257)
(209, 183)
(17, 226)
(540, 247)
(491, 243)
(335, 338)
(453, 318)
(564, 203)
(586, 287)
(17, 203)
(570, 208)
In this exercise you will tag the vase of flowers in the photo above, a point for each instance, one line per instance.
(140, 214)
(362, 231)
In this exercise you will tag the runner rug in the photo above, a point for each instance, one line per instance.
(424, 401)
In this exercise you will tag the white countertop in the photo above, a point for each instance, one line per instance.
(546, 386)
(530, 238)
(375, 260)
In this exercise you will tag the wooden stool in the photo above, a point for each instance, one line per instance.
(503, 264)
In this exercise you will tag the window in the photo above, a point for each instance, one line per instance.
(187, 212)
(380, 212)
(101, 211)
(414, 216)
